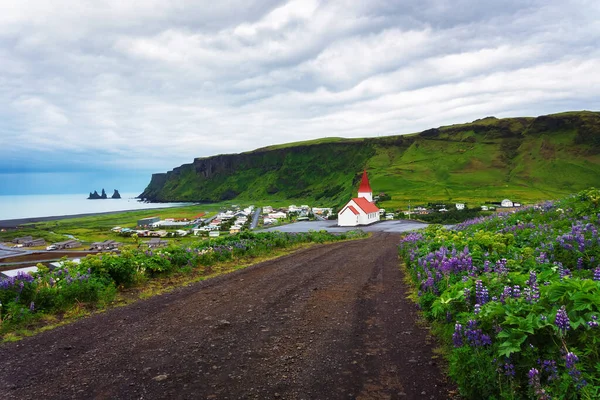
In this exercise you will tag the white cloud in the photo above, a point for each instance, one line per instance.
(154, 83)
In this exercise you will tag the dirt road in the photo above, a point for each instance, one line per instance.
(329, 322)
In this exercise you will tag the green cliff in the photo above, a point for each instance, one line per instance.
(526, 159)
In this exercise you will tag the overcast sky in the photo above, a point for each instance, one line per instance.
(139, 86)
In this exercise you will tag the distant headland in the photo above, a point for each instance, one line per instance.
(96, 196)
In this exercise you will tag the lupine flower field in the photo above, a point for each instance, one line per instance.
(95, 281)
(515, 299)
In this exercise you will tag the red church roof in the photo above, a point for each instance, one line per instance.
(365, 205)
(351, 208)
(364, 184)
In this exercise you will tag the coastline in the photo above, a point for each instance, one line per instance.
(14, 223)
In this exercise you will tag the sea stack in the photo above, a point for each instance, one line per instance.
(116, 195)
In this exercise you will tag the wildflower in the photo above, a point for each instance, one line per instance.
(476, 309)
(570, 360)
(533, 376)
(509, 369)
(562, 320)
(597, 274)
(457, 335)
(32, 306)
(594, 322)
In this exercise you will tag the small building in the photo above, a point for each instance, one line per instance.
(22, 240)
(106, 245)
(460, 206)
(213, 234)
(12, 273)
(34, 243)
(235, 229)
(506, 203)
(267, 209)
(484, 208)
(117, 229)
(148, 221)
(277, 215)
(67, 244)
(360, 210)
(156, 242)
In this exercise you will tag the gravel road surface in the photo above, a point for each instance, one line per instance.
(329, 322)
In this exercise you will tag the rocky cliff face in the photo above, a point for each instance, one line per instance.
(498, 152)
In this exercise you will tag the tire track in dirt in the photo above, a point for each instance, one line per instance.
(329, 322)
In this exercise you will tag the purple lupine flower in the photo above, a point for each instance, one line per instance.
(481, 293)
(534, 377)
(509, 369)
(476, 309)
(500, 268)
(457, 335)
(516, 291)
(594, 322)
(32, 306)
(570, 360)
(562, 320)
(597, 274)
(506, 294)
(467, 294)
(549, 367)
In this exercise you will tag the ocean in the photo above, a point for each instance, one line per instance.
(31, 206)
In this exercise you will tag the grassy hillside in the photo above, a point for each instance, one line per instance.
(525, 159)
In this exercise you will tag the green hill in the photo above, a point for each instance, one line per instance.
(525, 159)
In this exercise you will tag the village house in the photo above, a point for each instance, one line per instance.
(11, 273)
(21, 240)
(360, 210)
(147, 222)
(34, 242)
(506, 203)
(460, 206)
(106, 245)
(277, 215)
(156, 242)
(67, 244)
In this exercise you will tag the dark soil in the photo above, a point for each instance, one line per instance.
(329, 322)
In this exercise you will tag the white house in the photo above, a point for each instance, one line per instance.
(360, 210)
(460, 206)
(277, 215)
(506, 203)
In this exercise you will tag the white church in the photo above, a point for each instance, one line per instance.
(360, 210)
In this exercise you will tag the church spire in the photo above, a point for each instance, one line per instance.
(364, 190)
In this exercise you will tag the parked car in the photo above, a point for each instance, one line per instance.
(51, 247)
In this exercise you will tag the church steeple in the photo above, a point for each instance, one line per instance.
(364, 190)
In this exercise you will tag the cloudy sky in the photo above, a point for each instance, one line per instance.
(107, 91)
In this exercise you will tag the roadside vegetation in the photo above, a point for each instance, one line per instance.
(31, 301)
(515, 299)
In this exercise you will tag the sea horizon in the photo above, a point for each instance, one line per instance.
(50, 205)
